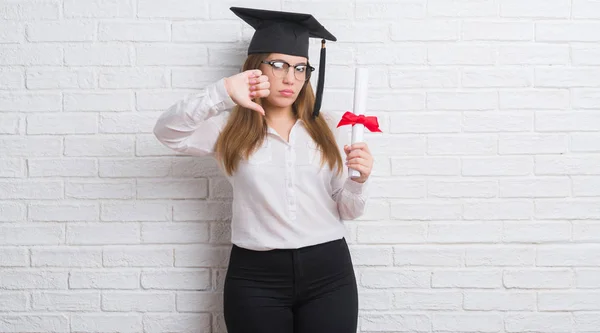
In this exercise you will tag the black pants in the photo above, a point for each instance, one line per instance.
(307, 290)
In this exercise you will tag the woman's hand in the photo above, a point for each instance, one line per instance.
(245, 86)
(358, 157)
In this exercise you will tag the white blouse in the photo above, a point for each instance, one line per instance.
(282, 198)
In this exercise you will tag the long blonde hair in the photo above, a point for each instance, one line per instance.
(246, 129)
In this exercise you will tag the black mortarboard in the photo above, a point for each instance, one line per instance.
(287, 33)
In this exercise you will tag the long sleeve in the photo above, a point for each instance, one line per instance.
(192, 125)
(350, 196)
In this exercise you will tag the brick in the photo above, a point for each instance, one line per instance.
(397, 54)
(99, 145)
(534, 99)
(425, 30)
(13, 257)
(201, 256)
(538, 278)
(63, 212)
(98, 9)
(360, 31)
(193, 78)
(462, 144)
(586, 321)
(385, 278)
(137, 256)
(424, 78)
(391, 233)
(12, 168)
(425, 166)
(178, 233)
(65, 123)
(383, 101)
(206, 32)
(569, 301)
(66, 301)
(31, 323)
(62, 31)
(567, 165)
(583, 255)
(147, 145)
(484, 300)
(369, 255)
(19, 10)
(134, 31)
(585, 55)
(535, 9)
(462, 101)
(95, 55)
(459, 54)
(12, 32)
(428, 210)
(125, 122)
(201, 211)
(566, 77)
(428, 300)
(461, 189)
(536, 232)
(199, 301)
(462, 8)
(30, 55)
(506, 256)
(11, 79)
(430, 122)
(29, 279)
(586, 231)
(138, 78)
(485, 232)
(567, 31)
(30, 102)
(66, 257)
(535, 188)
(179, 279)
(31, 189)
(193, 167)
(496, 30)
(31, 234)
(571, 121)
(476, 322)
(587, 278)
(10, 123)
(586, 98)
(570, 209)
(135, 211)
(103, 233)
(392, 188)
(394, 322)
(12, 212)
(71, 167)
(585, 142)
(13, 301)
(511, 144)
(106, 189)
(104, 279)
(101, 101)
(486, 122)
(428, 256)
(134, 168)
(467, 278)
(91, 323)
(533, 54)
(585, 9)
(497, 166)
(546, 322)
(192, 323)
(60, 79)
(497, 78)
(220, 188)
(325, 9)
(125, 301)
(175, 55)
(180, 9)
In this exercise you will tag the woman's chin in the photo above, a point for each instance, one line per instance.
(280, 101)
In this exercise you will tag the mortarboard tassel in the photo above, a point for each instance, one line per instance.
(321, 82)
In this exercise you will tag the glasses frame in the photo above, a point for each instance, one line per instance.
(309, 68)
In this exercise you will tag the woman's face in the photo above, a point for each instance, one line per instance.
(285, 80)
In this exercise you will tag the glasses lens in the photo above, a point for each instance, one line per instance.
(280, 69)
(301, 72)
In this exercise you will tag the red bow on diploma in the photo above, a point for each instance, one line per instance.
(350, 118)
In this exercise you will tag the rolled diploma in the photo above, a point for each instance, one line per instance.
(361, 80)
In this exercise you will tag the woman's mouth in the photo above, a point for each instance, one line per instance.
(286, 92)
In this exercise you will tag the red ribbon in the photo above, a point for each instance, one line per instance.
(350, 118)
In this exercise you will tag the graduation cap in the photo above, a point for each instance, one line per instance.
(287, 33)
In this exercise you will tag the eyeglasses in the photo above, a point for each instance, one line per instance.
(281, 68)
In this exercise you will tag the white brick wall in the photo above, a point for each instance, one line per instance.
(485, 215)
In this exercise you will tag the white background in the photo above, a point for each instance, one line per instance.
(485, 214)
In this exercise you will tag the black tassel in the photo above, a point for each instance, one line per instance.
(320, 82)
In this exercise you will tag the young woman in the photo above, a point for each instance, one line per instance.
(290, 268)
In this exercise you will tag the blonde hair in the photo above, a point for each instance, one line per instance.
(246, 129)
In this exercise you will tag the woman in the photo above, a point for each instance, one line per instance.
(289, 269)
